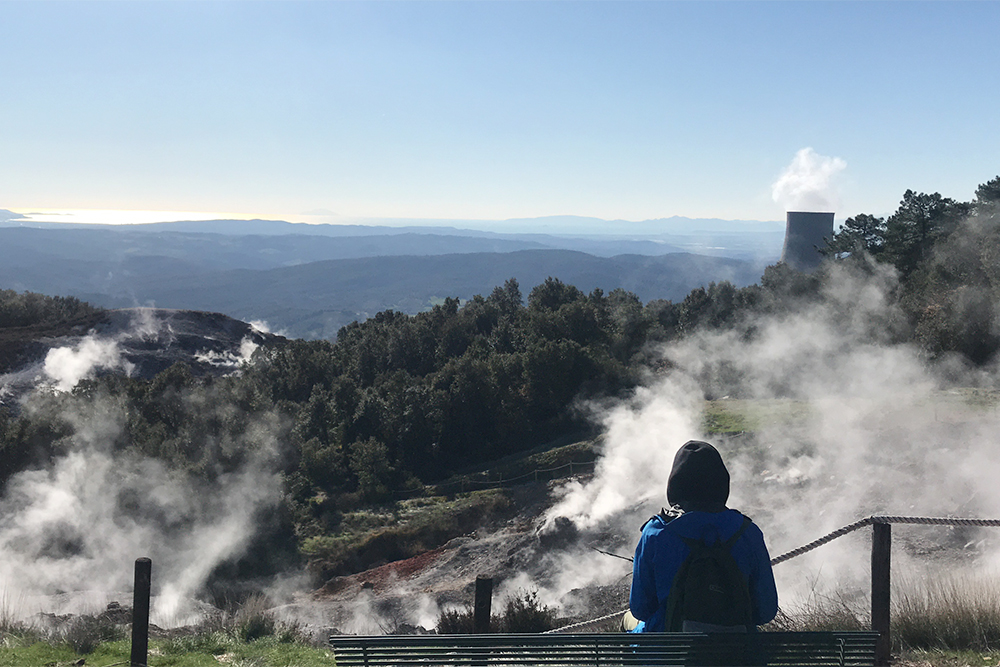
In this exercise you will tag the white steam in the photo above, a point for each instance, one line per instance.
(71, 531)
(262, 326)
(854, 425)
(229, 359)
(809, 183)
(66, 366)
(79, 524)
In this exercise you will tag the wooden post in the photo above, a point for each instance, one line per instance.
(881, 559)
(140, 611)
(484, 601)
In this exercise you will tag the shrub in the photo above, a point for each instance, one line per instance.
(85, 633)
(253, 620)
(524, 613)
(456, 622)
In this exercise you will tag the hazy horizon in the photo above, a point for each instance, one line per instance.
(130, 217)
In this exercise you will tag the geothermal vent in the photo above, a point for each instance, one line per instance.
(805, 234)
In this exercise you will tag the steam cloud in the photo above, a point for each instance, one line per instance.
(809, 182)
(861, 425)
(78, 525)
(66, 366)
(69, 533)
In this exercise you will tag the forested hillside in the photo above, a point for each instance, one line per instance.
(398, 401)
(28, 309)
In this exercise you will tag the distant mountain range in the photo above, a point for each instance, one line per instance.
(309, 280)
(560, 225)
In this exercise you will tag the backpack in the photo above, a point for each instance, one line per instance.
(709, 587)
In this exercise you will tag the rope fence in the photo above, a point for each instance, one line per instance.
(850, 528)
(473, 483)
(883, 521)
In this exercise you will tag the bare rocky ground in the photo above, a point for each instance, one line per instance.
(146, 341)
(407, 596)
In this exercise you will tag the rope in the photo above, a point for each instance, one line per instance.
(935, 521)
(840, 532)
(920, 520)
(829, 537)
(581, 624)
(608, 553)
(468, 483)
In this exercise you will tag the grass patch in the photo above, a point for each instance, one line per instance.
(369, 536)
(249, 637)
(196, 651)
(940, 658)
(269, 651)
(14, 654)
(729, 416)
(522, 466)
(947, 613)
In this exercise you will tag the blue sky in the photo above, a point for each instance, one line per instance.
(491, 110)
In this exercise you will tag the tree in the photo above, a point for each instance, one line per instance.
(919, 222)
(862, 233)
(369, 461)
(507, 299)
(552, 294)
(988, 193)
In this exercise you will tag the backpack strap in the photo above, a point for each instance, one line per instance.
(728, 544)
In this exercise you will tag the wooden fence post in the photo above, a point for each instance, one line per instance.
(484, 602)
(140, 611)
(881, 560)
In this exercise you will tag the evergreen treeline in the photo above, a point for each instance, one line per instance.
(947, 254)
(30, 309)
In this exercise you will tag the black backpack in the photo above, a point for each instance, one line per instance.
(709, 587)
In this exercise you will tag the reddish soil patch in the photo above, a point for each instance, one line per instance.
(378, 577)
(401, 569)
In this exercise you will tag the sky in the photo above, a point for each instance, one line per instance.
(334, 111)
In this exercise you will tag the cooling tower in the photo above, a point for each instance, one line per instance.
(805, 234)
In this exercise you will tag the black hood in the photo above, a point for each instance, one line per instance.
(699, 477)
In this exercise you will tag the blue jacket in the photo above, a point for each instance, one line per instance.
(660, 553)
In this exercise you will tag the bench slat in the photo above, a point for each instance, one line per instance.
(781, 649)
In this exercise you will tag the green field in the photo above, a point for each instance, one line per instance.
(731, 416)
(198, 651)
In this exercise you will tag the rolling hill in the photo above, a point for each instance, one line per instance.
(310, 285)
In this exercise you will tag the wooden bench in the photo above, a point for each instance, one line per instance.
(845, 649)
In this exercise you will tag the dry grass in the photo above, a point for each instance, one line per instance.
(254, 619)
(950, 613)
(945, 613)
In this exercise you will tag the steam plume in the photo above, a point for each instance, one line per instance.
(66, 366)
(70, 531)
(79, 524)
(809, 182)
(857, 424)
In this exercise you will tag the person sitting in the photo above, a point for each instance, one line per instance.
(700, 566)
